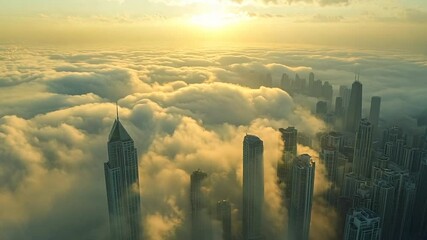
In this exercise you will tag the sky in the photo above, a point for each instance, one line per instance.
(379, 24)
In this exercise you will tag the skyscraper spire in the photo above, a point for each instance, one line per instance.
(117, 110)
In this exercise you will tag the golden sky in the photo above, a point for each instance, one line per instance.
(390, 24)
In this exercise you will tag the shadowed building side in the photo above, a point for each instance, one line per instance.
(200, 218)
(122, 183)
(289, 136)
(224, 216)
(363, 150)
(303, 170)
(253, 187)
(354, 112)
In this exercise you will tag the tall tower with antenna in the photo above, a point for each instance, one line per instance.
(354, 113)
(122, 182)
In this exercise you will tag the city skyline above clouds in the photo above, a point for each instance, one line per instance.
(186, 79)
(58, 108)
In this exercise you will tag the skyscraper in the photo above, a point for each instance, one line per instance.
(224, 215)
(354, 112)
(286, 83)
(405, 212)
(339, 107)
(384, 204)
(303, 170)
(327, 92)
(329, 156)
(122, 182)
(311, 84)
(200, 220)
(345, 94)
(321, 108)
(289, 138)
(374, 114)
(420, 207)
(363, 150)
(253, 187)
(362, 224)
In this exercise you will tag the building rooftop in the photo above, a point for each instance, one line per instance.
(118, 133)
(252, 139)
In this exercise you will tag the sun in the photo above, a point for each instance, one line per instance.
(216, 19)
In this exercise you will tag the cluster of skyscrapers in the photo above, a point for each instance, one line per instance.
(378, 182)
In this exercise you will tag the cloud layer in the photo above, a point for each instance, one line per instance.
(186, 110)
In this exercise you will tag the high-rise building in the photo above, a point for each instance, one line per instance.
(384, 204)
(363, 197)
(345, 95)
(362, 224)
(253, 187)
(303, 170)
(327, 92)
(321, 108)
(290, 138)
(286, 83)
(412, 158)
(352, 182)
(200, 219)
(405, 212)
(299, 84)
(374, 114)
(333, 139)
(329, 157)
(354, 112)
(339, 107)
(318, 87)
(122, 182)
(289, 152)
(363, 150)
(420, 207)
(344, 205)
(311, 84)
(224, 216)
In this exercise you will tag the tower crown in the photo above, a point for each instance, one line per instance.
(118, 133)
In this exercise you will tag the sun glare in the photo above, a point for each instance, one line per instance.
(215, 20)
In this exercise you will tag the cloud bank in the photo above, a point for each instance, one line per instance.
(186, 110)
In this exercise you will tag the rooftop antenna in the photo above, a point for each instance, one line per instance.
(117, 111)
